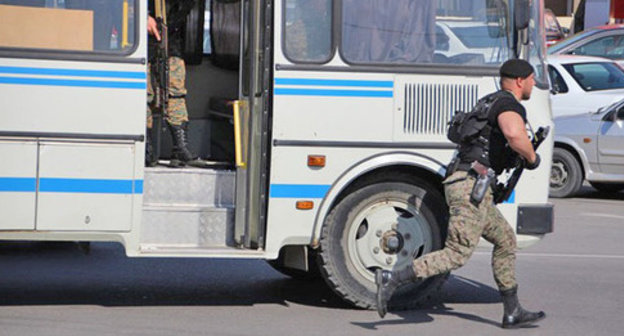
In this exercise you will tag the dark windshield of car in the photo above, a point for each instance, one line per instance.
(597, 76)
(571, 40)
(477, 37)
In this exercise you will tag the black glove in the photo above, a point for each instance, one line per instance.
(535, 164)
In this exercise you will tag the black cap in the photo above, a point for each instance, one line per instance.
(516, 68)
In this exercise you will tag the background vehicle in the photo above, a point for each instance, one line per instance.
(589, 147)
(581, 84)
(461, 40)
(604, 41)
(339, 128)
(554, 32)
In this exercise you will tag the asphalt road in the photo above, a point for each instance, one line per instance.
(575, 274)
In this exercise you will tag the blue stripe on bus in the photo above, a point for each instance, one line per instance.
(138, 186)
(73, 72)
(512, 198)
(90, 186)
(334, 82)
(67, 185)
(333, 93)
(299, 190)
(18, 184)
(73, 82)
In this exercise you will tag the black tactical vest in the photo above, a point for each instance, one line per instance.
(471, 131)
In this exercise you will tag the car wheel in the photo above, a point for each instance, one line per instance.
(566, 175)
(607, 187)
(384, 225)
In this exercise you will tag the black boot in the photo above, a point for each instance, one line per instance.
(150, 160)
(514, 315)
(387, 282)
(180, 154)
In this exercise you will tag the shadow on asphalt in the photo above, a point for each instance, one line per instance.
(59, 273)
(55, 273)
(457, 289)
(587, 192)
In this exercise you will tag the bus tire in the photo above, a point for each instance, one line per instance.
(354, 235)
(566, 175)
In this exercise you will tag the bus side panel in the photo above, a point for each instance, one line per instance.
(92, 183)
(17, 184)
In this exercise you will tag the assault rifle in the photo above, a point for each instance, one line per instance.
(160, 71)
(502, 191)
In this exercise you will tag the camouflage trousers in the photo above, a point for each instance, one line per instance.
(176, 112)
(467, 224)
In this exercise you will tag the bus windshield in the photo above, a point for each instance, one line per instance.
(425, 31)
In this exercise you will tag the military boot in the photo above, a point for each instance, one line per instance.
(180, 153)
(387, 282)
(514, 315)
(150, 159)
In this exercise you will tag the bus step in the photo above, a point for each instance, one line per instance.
(189, 186)
(193, 226)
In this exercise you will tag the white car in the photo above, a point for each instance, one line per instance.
(589, 147)
(470, 42)
(580, 84)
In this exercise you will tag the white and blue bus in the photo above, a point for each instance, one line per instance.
(326, 121)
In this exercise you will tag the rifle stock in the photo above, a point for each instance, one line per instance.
(502, 192)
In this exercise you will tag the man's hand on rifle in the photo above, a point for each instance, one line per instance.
(152, 27)
(533, 165)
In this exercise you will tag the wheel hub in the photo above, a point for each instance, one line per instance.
(387, 235)
(392, 242)
(558, 175)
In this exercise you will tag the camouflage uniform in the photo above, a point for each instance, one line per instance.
(176, 112)
(466, 225)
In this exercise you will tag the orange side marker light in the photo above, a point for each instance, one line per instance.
(305, 205)
(316, 160)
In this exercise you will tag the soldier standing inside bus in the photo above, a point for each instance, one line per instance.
(176, 114)
(470, 220)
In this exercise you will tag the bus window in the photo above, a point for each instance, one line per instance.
(70, 25)
(407, 32)
(307, 29)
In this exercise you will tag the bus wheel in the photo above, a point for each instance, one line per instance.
(384, 225)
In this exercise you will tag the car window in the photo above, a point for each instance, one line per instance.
(608, 46)
(556, 81)
(597, 76)
(572, 40)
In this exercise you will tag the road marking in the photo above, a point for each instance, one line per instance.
(560, 255)
(601, 215)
